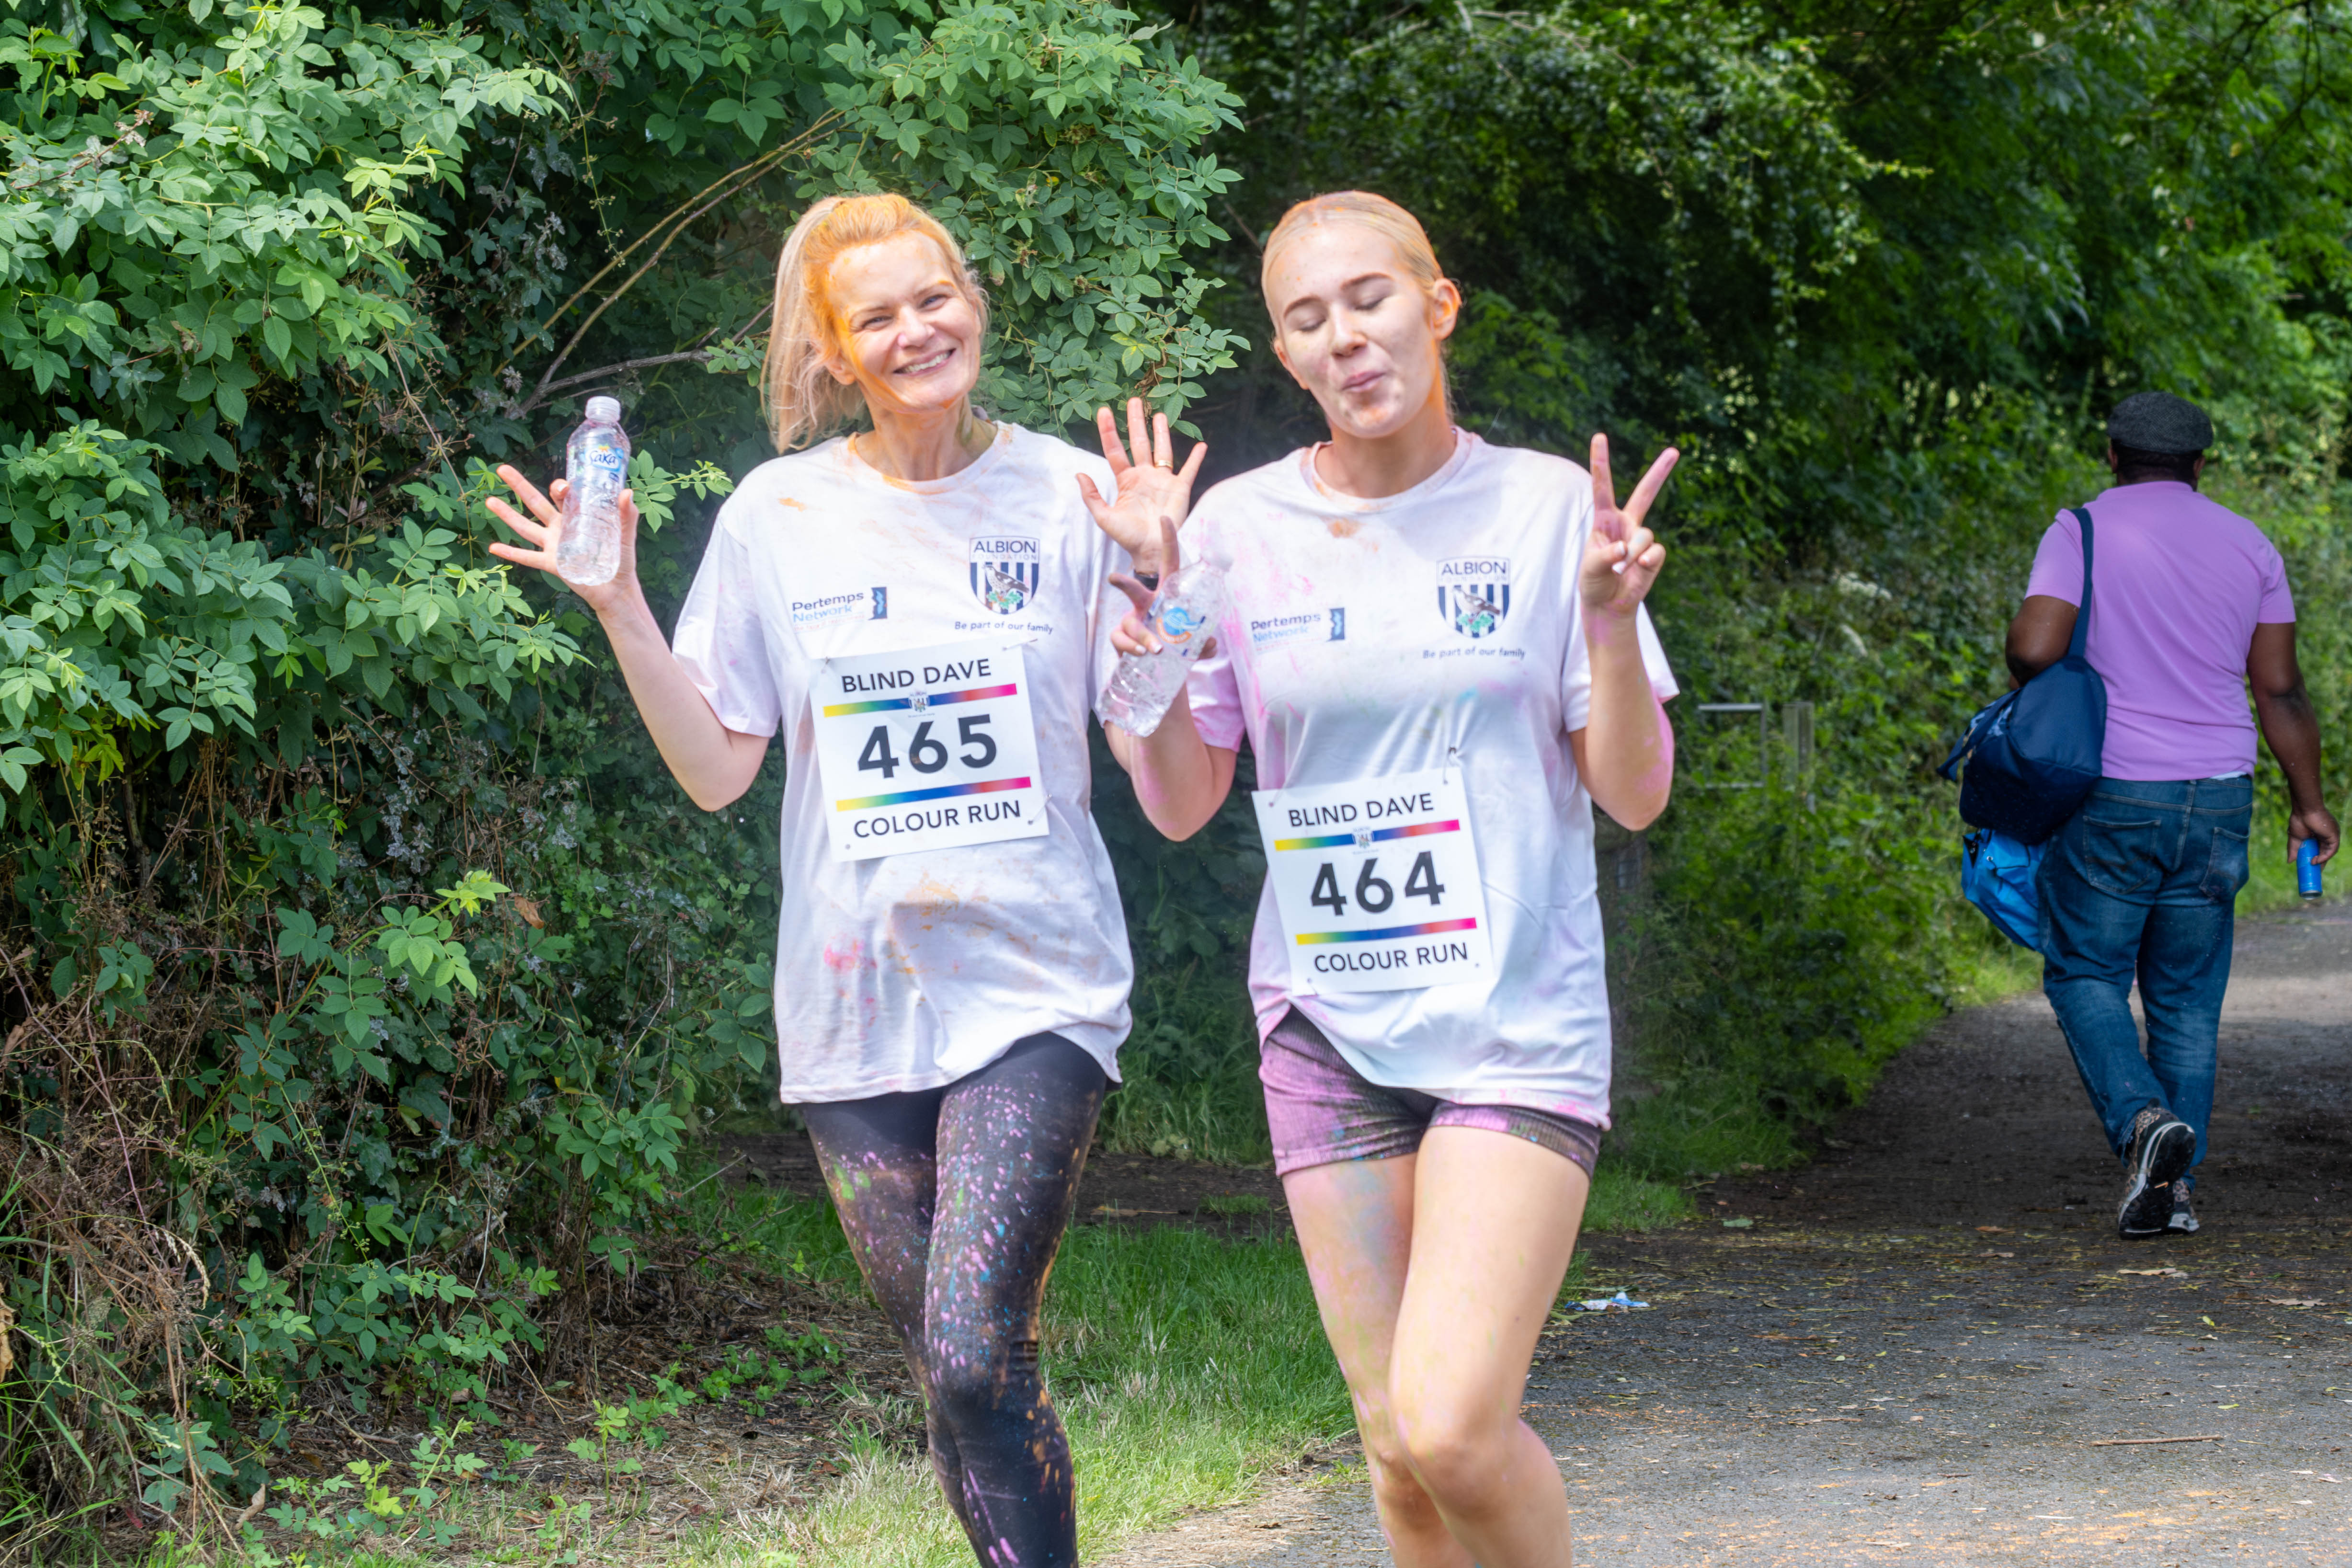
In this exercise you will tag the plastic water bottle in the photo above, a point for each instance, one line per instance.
(2307, 870)
(596, 467)
(1183, 615)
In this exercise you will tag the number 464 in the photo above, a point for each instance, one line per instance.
(1372, 891)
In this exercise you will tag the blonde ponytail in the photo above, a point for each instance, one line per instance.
(804, 400)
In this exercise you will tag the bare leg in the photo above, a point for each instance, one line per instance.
(1355, 1225)
(1496, 1224)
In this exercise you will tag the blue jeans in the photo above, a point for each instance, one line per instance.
(2143, 884)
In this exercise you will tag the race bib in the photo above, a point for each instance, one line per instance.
(927, 748)
(1377, 883)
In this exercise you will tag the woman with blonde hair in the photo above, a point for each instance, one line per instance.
(920, 609)
(1438, 653)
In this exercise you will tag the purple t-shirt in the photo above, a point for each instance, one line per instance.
(2181, 583)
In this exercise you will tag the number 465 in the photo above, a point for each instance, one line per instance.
(925, 752)
(1372, 891)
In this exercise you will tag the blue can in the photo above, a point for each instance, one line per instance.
(2307, 870)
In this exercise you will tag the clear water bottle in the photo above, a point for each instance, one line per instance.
(1183, 617)
(596, 467)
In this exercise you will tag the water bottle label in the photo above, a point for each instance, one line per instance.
(1377, 883)
(603, 459)
(1177, 623)
(927, 748)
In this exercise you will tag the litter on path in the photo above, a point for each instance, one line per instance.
(1619, 1302)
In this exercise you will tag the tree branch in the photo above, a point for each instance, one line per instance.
(549, 389)
(679, 219)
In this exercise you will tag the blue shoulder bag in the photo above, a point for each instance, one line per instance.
(2025, 766)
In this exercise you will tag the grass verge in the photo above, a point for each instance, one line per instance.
(1185, 1364)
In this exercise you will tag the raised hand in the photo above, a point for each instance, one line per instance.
(544, 527)
(1622, 557)
(1149, 490)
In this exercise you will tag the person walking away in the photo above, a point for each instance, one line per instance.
(2190, 606)
(920, 609)
(1437, 650)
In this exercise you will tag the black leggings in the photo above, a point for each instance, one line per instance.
(954, 1199)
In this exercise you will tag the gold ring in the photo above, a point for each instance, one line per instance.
(1162, 463)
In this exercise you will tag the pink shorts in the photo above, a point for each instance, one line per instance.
(1321, 1110)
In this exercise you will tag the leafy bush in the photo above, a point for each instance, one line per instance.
(364, 973)
(363, 989)
(1878, 273)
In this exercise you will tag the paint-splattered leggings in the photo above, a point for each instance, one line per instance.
(954, 1199)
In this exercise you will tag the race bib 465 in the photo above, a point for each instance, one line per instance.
(927, 748)
(1377, 883)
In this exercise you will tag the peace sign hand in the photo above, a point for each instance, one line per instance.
(1150, 489)
(1622, 557)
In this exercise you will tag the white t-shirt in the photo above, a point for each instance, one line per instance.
(910, 971)
(1349, 651)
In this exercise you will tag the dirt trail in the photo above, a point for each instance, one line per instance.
(1907, 1354)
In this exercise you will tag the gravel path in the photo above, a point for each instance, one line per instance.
(1929, 1346)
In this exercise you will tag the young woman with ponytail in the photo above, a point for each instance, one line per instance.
(1437, 651)
(918, 608)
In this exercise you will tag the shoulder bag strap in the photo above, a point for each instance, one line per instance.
(2081, 638)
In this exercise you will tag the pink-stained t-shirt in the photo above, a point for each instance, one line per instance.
(1349, 651)
(2181, 583)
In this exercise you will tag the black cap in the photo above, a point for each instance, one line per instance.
(2159, 422)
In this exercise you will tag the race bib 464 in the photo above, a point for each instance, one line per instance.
(927, 748)
(1377, 883)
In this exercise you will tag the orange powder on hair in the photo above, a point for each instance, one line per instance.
(803, 401)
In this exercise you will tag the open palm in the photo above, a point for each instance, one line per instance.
(543, 534)
(1147, 489)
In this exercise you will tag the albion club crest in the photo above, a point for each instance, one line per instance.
(1474, 593)
(1005, 571)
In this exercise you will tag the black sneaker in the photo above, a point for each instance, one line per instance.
(2184, 1218)
(2162, 1146)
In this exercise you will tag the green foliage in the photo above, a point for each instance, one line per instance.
(366, 977)
(363, 1505)
(1079, 193)
(1877, 272)
(1621, 1200)
(332, 848)
(213, 202)
(1190, 1069)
